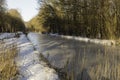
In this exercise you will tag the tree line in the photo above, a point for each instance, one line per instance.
(10, 20)
(87, 18)
(34, 25)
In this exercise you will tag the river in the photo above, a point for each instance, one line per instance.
(70, 55)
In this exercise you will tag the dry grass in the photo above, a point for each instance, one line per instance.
(8, 69)
(105, 66)
(107, 69)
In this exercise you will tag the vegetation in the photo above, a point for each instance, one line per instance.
(101, 66)
(35, 25)
(10, 21)
(107, 69)
(87, 18)
(2, 11)
(8, 69)
(15, 22)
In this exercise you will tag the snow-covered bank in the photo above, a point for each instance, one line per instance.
(96, 41)
(7, 41)
(30, 65)
(6, 35)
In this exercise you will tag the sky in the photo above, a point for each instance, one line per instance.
(27, 8)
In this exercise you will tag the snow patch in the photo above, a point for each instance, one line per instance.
(96, 41)
(30, 65)
(56, 34)
(7, 35)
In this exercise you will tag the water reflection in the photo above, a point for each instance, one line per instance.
(72, 56)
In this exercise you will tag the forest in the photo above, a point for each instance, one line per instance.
(86, 18)
(10, 20)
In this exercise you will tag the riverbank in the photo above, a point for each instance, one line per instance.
(89, 40)
(8, 52)
(80, 60)
(30, 65)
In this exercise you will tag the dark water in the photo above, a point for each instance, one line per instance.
(70, 55)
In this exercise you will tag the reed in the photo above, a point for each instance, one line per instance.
(8, 69)
(105, 66)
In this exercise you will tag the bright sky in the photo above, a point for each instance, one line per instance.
(27, 8)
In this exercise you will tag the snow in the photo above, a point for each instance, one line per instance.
(56, 34)
(7, 35)
(31, 38)
(30, 65)
(96, 41)
(7, 44)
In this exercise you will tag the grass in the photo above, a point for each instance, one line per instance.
(101, 66)
(8, 69)
(107, 69)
